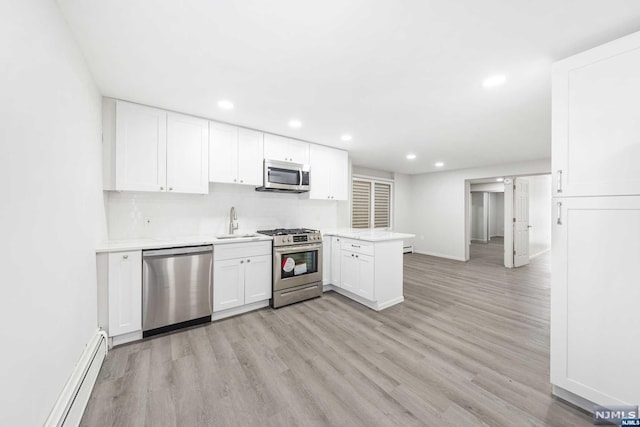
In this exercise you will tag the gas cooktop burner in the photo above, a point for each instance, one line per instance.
(287, 231)
(293, 236)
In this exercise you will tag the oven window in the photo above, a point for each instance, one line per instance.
(283, 176)
(299, 264)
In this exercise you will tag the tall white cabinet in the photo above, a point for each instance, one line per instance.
(595, 283)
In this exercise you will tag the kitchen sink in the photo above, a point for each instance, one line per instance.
(237, 236)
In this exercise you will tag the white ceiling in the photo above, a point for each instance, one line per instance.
(399, 75)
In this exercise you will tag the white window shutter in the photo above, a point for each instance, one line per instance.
(361, 204)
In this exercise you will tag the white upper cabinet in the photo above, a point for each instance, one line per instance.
(329, 173)
(148, 149)
(596, 131)
(140, 148)
(223, 153)
(187, 154)
(285, 149)
(235, 155)
(250, 157)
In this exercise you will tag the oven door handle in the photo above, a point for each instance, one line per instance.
(296, 249)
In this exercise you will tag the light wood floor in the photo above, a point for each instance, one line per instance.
(469, 346)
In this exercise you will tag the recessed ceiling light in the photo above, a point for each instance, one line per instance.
(411, 156)
(439, 164)
(499, 179)
(295, 123)
(225, 105)
(496, 80)
(346, 137)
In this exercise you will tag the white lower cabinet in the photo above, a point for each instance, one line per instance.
(368, 272)
(120, 286)
(336, 278)
(594, 298)
(241, 274)
(257, 279)
(357, 273)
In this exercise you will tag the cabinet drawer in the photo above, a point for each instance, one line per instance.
(241, 250)
(357, 246)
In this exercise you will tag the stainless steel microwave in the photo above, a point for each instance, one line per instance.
(285, 177)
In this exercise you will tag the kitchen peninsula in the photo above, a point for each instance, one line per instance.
(365, 265)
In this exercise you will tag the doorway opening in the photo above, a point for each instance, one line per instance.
(508, 219)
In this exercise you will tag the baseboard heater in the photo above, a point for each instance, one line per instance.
(407, 249)
(70, 406)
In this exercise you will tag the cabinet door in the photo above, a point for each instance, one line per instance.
(299, 151)
(141, 148)
(365, 283)
(187, 154)
(320, 160)
(594, 295)
(348, 271)
(335, 261)
(595, 135)
(228, 284)
(223, 153)
(339, 175)
(285, 149)
(125, 292)
(257, 278)
(250, 157)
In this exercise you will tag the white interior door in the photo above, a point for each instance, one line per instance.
(521, 222)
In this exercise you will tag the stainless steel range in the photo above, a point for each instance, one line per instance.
(297, 265)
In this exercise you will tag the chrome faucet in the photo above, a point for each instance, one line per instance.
(233, 220)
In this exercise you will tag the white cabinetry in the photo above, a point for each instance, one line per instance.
(235, 155)
(285, 149)
(329, 173)
(336, 276)
(120, 293)
(368, 272)
(595, 149)
(148, 149)
(241, 274)
(596, 138)
(187, 154)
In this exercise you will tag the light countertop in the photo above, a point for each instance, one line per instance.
(139, 244)
(368, 234)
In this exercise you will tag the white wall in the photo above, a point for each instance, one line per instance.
(168, 215)
(539, 214)
(491, 187)
(439, 202)
(52, 213)
(496, 213)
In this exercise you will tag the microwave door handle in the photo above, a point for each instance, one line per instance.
(300, 175)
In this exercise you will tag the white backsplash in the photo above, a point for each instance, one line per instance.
(137, 215)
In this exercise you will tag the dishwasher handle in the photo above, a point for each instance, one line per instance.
(190, 250)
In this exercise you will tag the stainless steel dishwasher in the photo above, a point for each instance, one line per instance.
(176, 288)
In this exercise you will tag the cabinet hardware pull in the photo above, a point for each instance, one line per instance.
(241, 181)
(161, 188)
(356, 256)
(170, 188)
(355, 246)
(248, 260)
(559, 181)
(234, 180)
(241, 261)
(559, 213)
(125, 256)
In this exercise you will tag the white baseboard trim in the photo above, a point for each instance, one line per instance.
(239, 310)
(371, 304)
(572, 398)
(125, 338)
(327, 288)
(440, 255)
(70, 406)
(539, 253)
